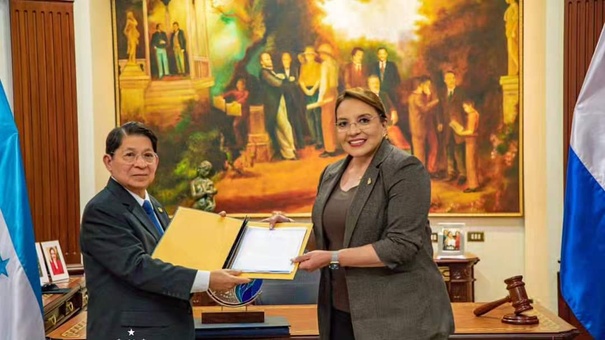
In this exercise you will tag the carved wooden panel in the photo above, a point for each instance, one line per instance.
(44, 82)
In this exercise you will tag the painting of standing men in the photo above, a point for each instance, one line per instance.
(249, 86)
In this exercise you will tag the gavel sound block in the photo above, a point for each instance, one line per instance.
(518, 296)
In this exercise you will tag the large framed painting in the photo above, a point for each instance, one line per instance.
(239, 93)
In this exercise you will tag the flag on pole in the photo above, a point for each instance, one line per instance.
(583, 244)
(20, 298)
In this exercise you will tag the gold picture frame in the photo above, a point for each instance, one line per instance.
(176, 90)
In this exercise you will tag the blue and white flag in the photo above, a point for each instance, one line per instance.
(20, 298)
(583, 246)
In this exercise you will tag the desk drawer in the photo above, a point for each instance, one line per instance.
(58, 315)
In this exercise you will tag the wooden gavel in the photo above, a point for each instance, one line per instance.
(518, 296)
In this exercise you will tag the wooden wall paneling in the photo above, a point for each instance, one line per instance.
(584, 21)
(43, 54)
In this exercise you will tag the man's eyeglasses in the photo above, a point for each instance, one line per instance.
(131, 157)
(362, 123)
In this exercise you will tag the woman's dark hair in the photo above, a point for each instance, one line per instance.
(115, 136)
(366, 96)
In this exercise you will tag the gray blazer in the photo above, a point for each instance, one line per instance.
(407, 299)
(127, 289)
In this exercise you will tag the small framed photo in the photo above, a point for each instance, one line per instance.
(55, 261)
(41, 265)
(450, 240)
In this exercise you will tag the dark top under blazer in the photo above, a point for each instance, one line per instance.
(407, 299)
(127, 289)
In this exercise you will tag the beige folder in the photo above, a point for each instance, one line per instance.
(202, 240)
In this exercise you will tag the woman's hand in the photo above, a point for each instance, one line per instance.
(277, 217)
(313, 260)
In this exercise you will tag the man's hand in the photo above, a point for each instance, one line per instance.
(226, 279)
(277, 217)
(313, 260)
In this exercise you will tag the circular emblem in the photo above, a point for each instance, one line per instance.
(239, 295)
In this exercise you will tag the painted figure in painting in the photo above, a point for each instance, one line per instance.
(421, 123)
(388, 73)
(310, 73)
(394, 134)
(132, 36)
(202, 188)
(511, 19)
(470, 135)
(240, 123)
(292, 95)
(179, 45)
(276, 115)
(355, 73)
(451, 110)
(328, 90)
(159, 42)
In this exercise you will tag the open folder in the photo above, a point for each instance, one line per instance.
(206, 241)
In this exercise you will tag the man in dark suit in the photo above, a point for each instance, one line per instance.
(451, 110)
(131, 294)
(389, 75)
(276, 116)
(159, 41)
(294, 99)
(179, 45)
(355, 73)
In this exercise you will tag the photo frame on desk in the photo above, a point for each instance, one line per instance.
(55, 261)
(42, 272)
(450, 240)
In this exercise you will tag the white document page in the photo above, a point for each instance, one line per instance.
(269, 251)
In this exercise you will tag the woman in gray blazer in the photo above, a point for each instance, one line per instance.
(378, 278)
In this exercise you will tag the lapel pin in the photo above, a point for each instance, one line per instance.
(160, 210)
(369, 181)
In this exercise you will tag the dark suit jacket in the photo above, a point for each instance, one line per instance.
(387, 102)
(182, 40)
(127, 289)
(451, 109)
(272, 93)
(295, 105)
(407, 299)
(157, 37)
(391, 80)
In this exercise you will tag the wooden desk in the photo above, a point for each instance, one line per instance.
(459, 276)
(58, 308)
(489, 326)
(303, 323)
